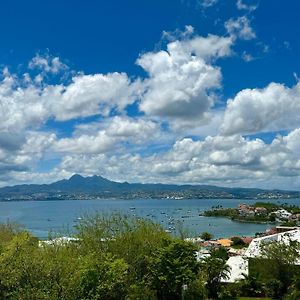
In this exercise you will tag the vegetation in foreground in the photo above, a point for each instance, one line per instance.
(118, 257)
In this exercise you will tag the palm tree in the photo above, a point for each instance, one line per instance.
(215, 269)
(250, 286)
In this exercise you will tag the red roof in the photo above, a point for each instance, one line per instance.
(247, 240)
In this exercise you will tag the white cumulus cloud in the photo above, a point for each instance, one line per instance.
(182, 78)
(275, 107)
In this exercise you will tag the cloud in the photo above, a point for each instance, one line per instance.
(208, 3)
(25, 104)
(176, 99)
(242, 6)
(182, 78)
(47, 64)
(21, 107)
(240, 28)
(184, 70)
(222, 160)
(28, 102)
(94, 139)
(247, 57)
(96, 94)
(275, 107)
(23, 152)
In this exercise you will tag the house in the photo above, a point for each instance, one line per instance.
(240, 264)
(271, 231)
(225, 242)
(59, 241)
(285, 228)
(238, 267)
(245, 210)
(247, 240)
(236, 252)
(261, 210)
(195, 240)
(282, 214)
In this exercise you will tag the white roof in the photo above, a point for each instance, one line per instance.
(238, 266)
(194, 240)
(59, 241)
(285, 237)
(200, 255)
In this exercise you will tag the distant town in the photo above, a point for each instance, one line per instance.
(96, 187)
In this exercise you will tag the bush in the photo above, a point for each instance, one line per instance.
(206, 236)
(237, 241)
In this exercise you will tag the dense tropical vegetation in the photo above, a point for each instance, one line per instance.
(119, 257)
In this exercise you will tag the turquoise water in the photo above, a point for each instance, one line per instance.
(42, 217)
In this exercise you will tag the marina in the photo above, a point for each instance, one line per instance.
(60, 217)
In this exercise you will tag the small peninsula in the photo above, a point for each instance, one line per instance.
(259, 212)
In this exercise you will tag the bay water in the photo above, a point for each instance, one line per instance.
(60, 217)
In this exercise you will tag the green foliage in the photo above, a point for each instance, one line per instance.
(206, 236)
(171, 267)
(272, 217)
(140, 291)
(294, 289)
(269, 216)
(228, 292)
(238, 242)
(223, 212)
(7, 233)
(220, 252)
(214, 269)
(102, 277)
(130, 239)
(267, 205)
(276, 268)
(273, 207)
(115, 257)
(233, 214)
(289, 224)
(119, 257)
(197, 288)
(250, 286)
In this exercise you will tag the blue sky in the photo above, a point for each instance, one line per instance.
(182, 91)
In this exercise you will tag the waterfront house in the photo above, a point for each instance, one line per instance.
(245, 210)
(261, 210)
(282, 214)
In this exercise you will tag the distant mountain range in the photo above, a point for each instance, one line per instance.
(97, 187)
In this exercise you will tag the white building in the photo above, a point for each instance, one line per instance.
(59, 241)
(282, 214)
(238, 267)
(239, 264)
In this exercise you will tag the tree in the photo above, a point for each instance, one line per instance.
(220, 252)
(238, 242)
(206, 236)
(214, 270)
(128, 238)
(294, 289)
(250, 286)
(171, 267)
(276, 267)
(102, 277)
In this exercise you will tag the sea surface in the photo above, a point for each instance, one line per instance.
(60, 217)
